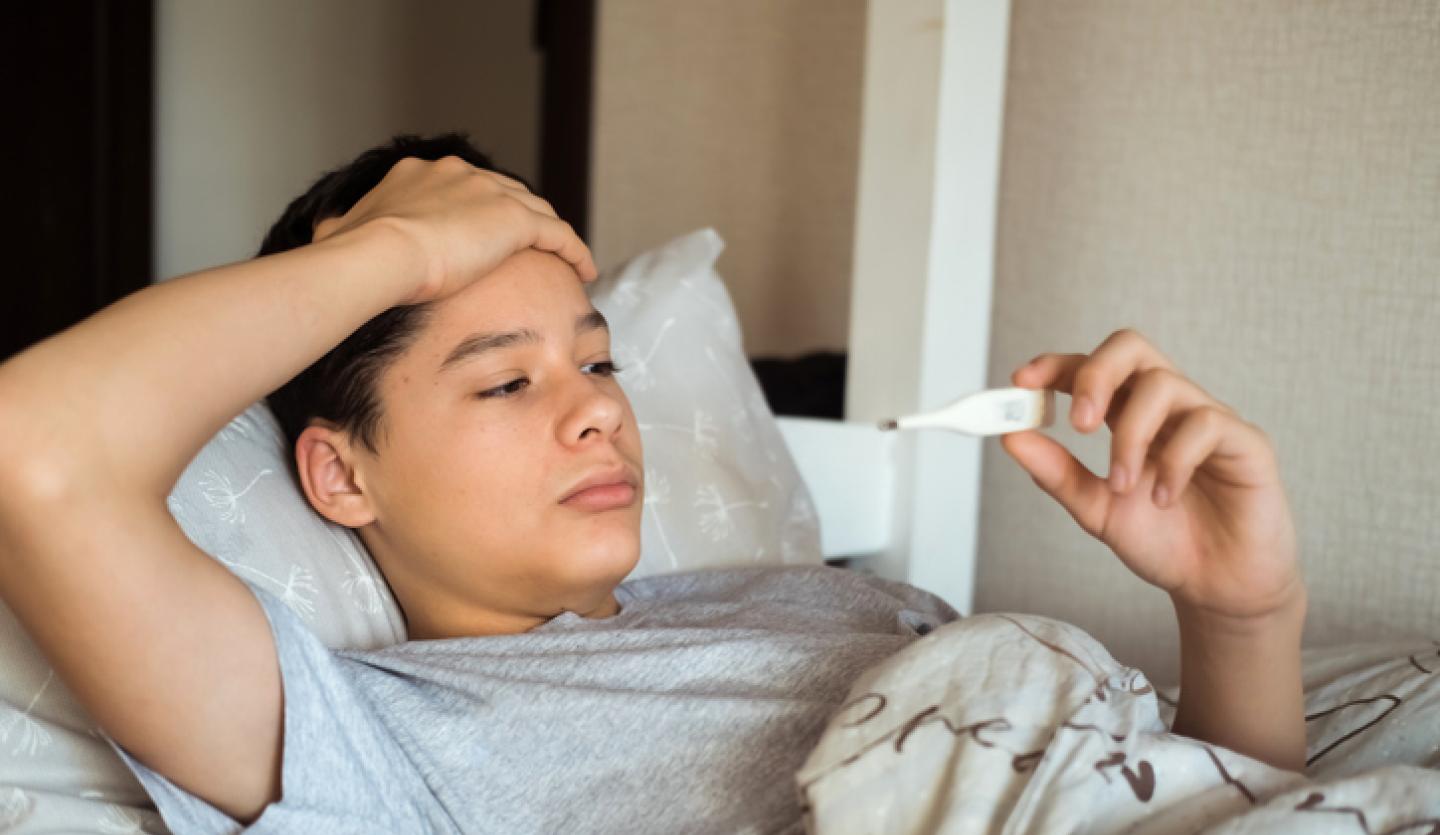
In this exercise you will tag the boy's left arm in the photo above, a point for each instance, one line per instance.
(1193, 504)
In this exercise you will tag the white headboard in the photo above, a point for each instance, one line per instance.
(924, 253)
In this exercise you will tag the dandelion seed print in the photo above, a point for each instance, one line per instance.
(799, 523)
(657, 487)
(717, 516)
(362, 589)
(626, 296)
(657, 495)
(299, 591)
(14, 808)
(664, 540)
(638, 374)
(224, 498)
(802, 512)
(296, 591)
(28, 736)
(702, 433)
(118, 821)
(237, 429)
(24, 733)
(701, 294)
(359, 582)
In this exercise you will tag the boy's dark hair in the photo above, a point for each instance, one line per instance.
(340, 387)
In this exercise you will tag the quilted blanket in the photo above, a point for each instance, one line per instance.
(1021, 724)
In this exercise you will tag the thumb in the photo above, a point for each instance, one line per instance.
(1083, 494)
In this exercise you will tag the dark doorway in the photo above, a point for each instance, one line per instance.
(565, 34)
(80, 154)
(79, 165)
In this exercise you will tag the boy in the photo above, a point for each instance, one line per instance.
(470, 428)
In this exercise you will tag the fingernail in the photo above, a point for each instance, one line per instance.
(1117, 478)
(1083, 411)
(1162, 495)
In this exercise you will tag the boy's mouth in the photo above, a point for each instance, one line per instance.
(602, 497)
(607, 488)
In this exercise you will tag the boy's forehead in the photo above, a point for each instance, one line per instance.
(524, 299)
(530, 283)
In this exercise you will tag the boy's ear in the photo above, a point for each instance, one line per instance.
(325, 462)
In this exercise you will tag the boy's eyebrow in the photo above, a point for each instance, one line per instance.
(476, 344)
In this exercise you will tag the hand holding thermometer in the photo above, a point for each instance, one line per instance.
(990, 412)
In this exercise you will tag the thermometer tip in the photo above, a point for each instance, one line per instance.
(888, 425)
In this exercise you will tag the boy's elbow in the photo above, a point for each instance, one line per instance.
(36, 468)
(33, 480)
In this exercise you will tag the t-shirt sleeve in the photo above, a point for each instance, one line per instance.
(341, 770)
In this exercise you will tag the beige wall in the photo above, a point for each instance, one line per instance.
(1257, 188)
(743, 115)
(255, 99)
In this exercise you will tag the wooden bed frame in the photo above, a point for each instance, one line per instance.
(907, 506)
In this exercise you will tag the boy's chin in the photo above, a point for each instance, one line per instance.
(604, 557)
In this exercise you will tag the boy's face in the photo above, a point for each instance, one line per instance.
(502, 408)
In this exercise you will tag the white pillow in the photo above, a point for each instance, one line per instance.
(238, 501)
(721, 490)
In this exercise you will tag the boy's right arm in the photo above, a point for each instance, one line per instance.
(169, 652)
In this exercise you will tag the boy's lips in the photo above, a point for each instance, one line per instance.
(602, 497)
(604, 489)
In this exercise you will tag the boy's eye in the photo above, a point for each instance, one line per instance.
(508, 389)
(605, 368)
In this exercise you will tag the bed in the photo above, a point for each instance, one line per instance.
(727, 483)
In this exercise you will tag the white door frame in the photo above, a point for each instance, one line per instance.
(932, 112)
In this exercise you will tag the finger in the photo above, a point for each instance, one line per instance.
(535, 204)
(1214, 436)
(1122, 354)
(1118, 402)
(1057, 472)
(1156, 395)
(504, 180)
(557, 236)
(1057, 372)
(1048, 371)
(1092, 380)
(453, 165)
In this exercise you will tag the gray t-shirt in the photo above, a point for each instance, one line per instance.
(689, 711)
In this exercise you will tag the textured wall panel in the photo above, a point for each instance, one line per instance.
(743, 115)
(1256, 187)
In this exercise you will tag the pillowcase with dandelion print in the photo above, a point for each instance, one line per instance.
(721, 488)
(239, 503)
